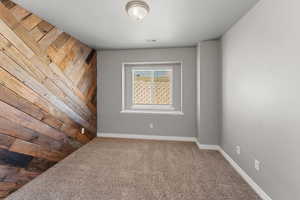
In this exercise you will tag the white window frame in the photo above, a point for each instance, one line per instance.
(151, 109)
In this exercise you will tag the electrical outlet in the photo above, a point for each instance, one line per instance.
(257, 165)
(151, 125)
(238, 150)
(82, 131)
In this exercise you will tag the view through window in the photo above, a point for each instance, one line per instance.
(152, 86)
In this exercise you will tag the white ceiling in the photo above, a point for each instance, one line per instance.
(104, 24)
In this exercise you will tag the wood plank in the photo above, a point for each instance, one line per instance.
(7, 17)
(11, 98)
(49, 143)
(39, 164)
(6, 171)
(15, 40)
(14, 159)
(19, 12)
(72, 92)
(49, 38)
(19, 88)
(68, 97)
(20, 59)
(27, 165)
(67, 61)
(24, 34)
(45, 27)
(36, 34)
(67, 81)
(92, 58)
(61, 40)
(86, 81)
(12, 83)
(75, 66)
(27, 65)
(94, 99)
(71, 130)
(79, 70)
(40, 30)
(91, 91)
(27, 148)
(4, 193)
(9, 112)
(31, 21)
(13, 129)
(23, 177)
(8, 4)
(64, 96)
(88, 78)
(58, 56)
(51, 121)
(13, 178)
(56, 51)
(14, 69)
(8, 186)
(42, 107)
(92, 106)
(6, 141)
(31, 43)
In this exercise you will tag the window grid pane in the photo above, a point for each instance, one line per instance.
(152, 87)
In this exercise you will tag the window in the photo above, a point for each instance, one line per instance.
(151, 88)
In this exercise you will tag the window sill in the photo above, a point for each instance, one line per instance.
(161, 112)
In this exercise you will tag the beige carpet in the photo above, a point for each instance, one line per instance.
(116, 169)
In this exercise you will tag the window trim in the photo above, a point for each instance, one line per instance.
(168, 109)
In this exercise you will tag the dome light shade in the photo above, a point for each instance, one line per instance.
(137, 9)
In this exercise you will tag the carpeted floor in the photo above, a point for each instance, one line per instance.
(119, 169)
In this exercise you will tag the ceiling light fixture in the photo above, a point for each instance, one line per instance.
(137, 9)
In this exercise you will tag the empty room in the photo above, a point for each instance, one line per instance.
(150, 100)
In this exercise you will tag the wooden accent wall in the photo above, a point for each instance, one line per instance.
(47, 95)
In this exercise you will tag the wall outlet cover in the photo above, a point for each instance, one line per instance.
(257, 165)
(238, 150)
(151, 125)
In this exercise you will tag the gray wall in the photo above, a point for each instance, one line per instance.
(261, 96)
(110, 120)
(209, 90)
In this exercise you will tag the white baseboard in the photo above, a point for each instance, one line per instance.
(239, 170)
(245, 176)
(208, 146)
(147, 137)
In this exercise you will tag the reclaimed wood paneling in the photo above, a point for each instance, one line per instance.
(30, 22)
(21, 146)
(47, 95)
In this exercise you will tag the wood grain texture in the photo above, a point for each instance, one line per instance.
(15, 40)
(35, 150)
(47, 95)
(30, 22)
(12, 178)
(19, 12)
